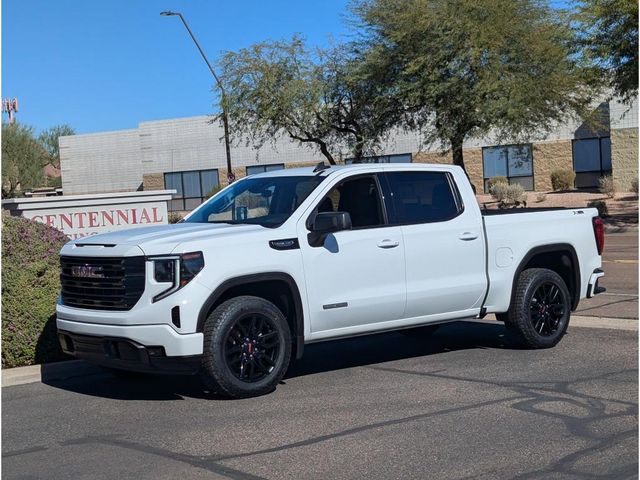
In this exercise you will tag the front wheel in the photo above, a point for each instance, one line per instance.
(540, 312)
(247, 347)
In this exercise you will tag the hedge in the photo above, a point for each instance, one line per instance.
(30, 286)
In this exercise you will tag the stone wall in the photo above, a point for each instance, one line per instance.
(624, 157)
(153, 181)
(547, 157)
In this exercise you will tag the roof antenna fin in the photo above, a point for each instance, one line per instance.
(320, 167)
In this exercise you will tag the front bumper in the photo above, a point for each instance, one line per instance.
(175, 344)
(125, 354)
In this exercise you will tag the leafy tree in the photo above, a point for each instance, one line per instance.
(49, 140)
(611, 37)
(314, 97)
(466, 68)
(22, 159)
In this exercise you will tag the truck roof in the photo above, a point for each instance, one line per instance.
(310, 171)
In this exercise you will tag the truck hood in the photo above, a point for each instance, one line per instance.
(164, 239)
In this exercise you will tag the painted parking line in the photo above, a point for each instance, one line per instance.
(632, 262)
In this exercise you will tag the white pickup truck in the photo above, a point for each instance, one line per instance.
(286, 258)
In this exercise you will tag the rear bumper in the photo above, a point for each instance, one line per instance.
(593, 288)
(126, 354)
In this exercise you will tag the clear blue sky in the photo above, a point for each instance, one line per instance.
(109, 65)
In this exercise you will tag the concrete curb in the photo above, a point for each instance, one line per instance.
(78, 368)
(48, 371)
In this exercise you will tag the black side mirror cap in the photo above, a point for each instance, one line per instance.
(325, 223)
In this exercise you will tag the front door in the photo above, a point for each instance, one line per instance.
(356, 277)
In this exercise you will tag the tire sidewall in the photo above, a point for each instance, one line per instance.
(525, 324)
(225, 317)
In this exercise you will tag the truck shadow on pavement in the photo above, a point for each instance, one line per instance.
(361, 351)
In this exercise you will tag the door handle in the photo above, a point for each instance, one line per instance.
(388, 243)
(467, 236)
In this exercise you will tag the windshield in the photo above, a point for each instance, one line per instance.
(267, 201)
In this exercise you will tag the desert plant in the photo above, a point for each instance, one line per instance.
(499, 190)
(508, 195)
(562, 179)
(634, 185)
(601, 205)
(607, 186)
(174, 217)
(30, 285)
(541, 197)
(494, 181)
(515, 196)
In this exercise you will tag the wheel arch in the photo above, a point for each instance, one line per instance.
(558, 257)
(277, 287)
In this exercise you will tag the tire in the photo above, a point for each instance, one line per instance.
(539, 314)
(247, 348)
(425, 331)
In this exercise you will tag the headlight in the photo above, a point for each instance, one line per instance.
(178, 270)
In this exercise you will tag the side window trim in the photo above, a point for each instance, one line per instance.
(455, 192)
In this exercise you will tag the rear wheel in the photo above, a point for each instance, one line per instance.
(247, 347)
(539, 314)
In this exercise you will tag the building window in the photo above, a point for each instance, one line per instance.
(192, 188)
(264, 168)
(515, 162)
(395, 158)
(591, 160)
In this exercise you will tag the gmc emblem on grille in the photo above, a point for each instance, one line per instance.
(87, 271)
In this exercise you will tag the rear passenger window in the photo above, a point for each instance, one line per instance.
(422, 197)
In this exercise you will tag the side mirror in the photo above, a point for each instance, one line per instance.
(325, 223)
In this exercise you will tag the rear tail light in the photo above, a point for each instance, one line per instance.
(598, 232)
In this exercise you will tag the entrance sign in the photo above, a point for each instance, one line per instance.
(83, 215)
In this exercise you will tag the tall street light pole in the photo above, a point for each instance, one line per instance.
(223, 98)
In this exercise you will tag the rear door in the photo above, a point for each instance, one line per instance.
(356, 278)
(443, 241)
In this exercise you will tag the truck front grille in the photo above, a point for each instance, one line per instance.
(102, 283)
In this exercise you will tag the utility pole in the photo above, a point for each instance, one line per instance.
(223, 98)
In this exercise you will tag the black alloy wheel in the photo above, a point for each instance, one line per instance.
(251, 348)
(547, 309)
(539, 313)
(247, 347)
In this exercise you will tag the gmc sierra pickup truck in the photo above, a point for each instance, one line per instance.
(286, 258)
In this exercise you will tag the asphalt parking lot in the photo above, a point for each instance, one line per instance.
(463, 404)
(620, 264)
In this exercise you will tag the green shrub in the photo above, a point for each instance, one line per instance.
(607, 186)
(30, 286)
(508, 195)
(515, 194)
(174, 217)
(494, 181)
(562, 179)
(601, 205)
